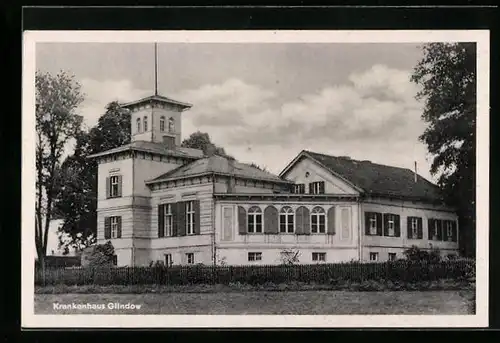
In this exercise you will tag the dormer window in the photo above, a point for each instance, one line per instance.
(171, 125)
(162, 124)
(145, 123)
(138, 125)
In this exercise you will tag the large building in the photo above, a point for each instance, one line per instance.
(158, 201)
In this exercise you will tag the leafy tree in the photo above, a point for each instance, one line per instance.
(77, 203)
(289, 256)
(57, 98)
(101, 255)
(201, 140)
(447, 76)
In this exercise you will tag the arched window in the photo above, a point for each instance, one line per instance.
(318, 220)
(171, 125)
(162, 123)
(145, 123)
(286, 220)
(254, 221)
(138, 125)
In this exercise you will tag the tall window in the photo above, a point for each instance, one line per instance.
(436, 230)
(374, 256)
(318, 220)
(299, 188)
(114, 189)
(449, 230)
(171, 125)
(138, 121)
(145, 120)
(373, 224)
(190, 218)
(286, 220)
(162, 123)
(190, 258)
(254, 220)
(168, 260)
(114, 227)
(414, 227)
(317, 187)
(167, 222)
(390, 224)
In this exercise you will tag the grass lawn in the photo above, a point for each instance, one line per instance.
(262, 302)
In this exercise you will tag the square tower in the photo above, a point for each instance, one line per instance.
(157, 119)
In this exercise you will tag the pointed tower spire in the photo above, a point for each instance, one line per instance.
(156, 69)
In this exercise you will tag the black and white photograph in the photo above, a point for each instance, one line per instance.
(255, 179)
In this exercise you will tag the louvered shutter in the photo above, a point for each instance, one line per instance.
(454, 231)
(306, 221)
(430, 229)
(242, 220)
(367, 223)
(310, 188)
(108, 188)
(161, 219)
(175, 218)
(299, 221)
(379, 224)
(440, 229)
(197, 217)
(107, 227)
(181, 213)
(119, 186)
(386, 224)
(331, 221)
(322, 187)
(409, 231)
(397, 225)
(420, 228)
(271, 220)
(119, 231)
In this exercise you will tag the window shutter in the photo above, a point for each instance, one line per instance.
(331, 221)
(161, 218)
(440, 230)
(454, 230)
(397, 225)
(119, 231)
(271, 220)
(197, 217)
(181, 213)
(322, 187)
(409, 232)
(108, 188)
(107, 227)
(175, 218)
(119, 186)
(307, 222)
(367, 223)
(310, 188)
(379, 224)
(299, 221)
(242, 220)
(430, 228)
(420, 228)
(386, 224)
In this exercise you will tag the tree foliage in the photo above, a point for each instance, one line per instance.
(77, 203)
(57, 98)
(100, 255)
(447, 76)
(201, 140)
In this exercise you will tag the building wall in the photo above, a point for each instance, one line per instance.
(333, 185)
(384, 245)
(202, 254)
(121, 167)
(147, 168)
(157, 134)
(339, 247)
(223, 186)
(145, 111)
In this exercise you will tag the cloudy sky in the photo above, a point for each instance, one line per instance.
(264, 103)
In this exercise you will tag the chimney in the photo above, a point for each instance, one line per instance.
(415, 171)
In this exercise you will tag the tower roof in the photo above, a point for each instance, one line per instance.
(158, 99)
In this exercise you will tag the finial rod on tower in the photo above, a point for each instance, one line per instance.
(156, 69)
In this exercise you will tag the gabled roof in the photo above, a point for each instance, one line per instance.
(158, 98)
(219, 165)
(375, 179)
(152, 147)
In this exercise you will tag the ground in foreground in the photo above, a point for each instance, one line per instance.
(277, 303)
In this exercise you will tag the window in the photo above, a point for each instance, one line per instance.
(190, 258)
(162, 123)
(374, 256)
(449, 230)
(145, 120)
(254, 220)
(390, 224)
(317, 187)
(115, 225)
(299, 188)
(373, 223)
(414, 227)
(286, 220)
(319, 256)
(168, 260)
(392, 256)
(138, 125)
(115, 260)
(190, 218)
(114, 190)
(435, 233)
(254, 256)
(171, 126)
(318, 219)
(167, 222)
